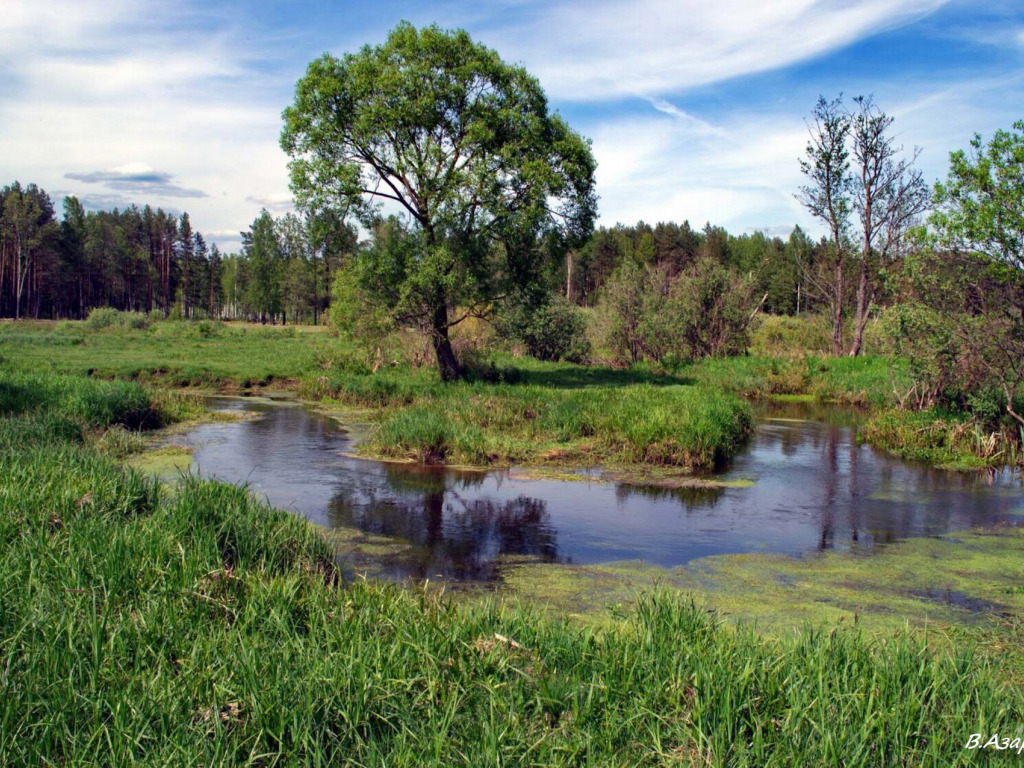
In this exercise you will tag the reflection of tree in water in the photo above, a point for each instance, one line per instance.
(430, 479)
(452, 537)
(694, 497)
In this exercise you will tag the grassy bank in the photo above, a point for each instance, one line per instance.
(520, 411)
(950, 440)
(864, 381)
(202, 627)
(552, 413)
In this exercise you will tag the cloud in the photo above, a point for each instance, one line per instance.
(87, 84)
(607, 49)
(139, 178)
(225, 235)
(197, 90)
(729, 173)
(278, 203)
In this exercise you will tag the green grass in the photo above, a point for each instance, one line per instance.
(555, 413)
(200, 627)
(949, 440)
(201, 354)
(864, 380)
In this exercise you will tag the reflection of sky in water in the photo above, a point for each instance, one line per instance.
(815, 489)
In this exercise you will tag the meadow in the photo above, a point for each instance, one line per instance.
(197, 626)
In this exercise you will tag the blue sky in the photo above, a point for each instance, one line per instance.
(696, 109)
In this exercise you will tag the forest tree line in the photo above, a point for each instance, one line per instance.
(145, 259)
(148, 260)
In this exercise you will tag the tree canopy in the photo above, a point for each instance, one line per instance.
(462, 145)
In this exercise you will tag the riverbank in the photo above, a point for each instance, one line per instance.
(202, 627)
(551, 416)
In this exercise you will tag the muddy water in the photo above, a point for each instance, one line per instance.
(813, 488)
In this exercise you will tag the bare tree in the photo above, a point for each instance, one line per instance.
(827, 197)
(889, 195)
(855, 172)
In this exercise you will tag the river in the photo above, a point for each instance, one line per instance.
(801, 484)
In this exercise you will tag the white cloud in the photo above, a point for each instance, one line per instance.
(101, 93)
(659, 169)
(606, 49)
(277, 203)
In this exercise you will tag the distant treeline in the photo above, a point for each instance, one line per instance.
(148, 260)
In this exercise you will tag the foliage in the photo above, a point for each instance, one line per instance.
(962, 313)
(28, 238)
(703, 311)
(555, 330)
(464, 144)
(783, 336)
(926, 340)
(107, 317)
(624, 306)
(263, 251)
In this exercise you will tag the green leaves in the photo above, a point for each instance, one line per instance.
(439, 129)
(981, 204)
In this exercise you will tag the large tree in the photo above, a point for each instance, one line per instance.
(979, 225)
(441, 129)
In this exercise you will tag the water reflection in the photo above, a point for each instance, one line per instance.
(452, 535)
(814, 488)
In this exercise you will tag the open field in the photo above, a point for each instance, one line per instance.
(200, 627)
(179, 354)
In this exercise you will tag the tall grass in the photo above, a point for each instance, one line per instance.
(559, 412)
(864, 380)
(205, 628)
(953, 440)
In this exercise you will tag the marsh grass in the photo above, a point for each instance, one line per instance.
(554, 413)
(201, 627)
(950, 440)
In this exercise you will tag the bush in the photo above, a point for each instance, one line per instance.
(102, 317)
(108, 317)
(556, 330)
(653, 315)
(781, 335)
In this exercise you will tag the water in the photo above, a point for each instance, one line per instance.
(814, 489)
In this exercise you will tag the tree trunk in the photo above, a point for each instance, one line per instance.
(837, 313)
(863, 297)
(568, 277)
(863, 310)
(447, 363)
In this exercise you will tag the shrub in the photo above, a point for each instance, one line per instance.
(780, 335)
(555, 330)
(108, 317)
(102, 317)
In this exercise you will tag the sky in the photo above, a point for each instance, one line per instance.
(697, 110)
